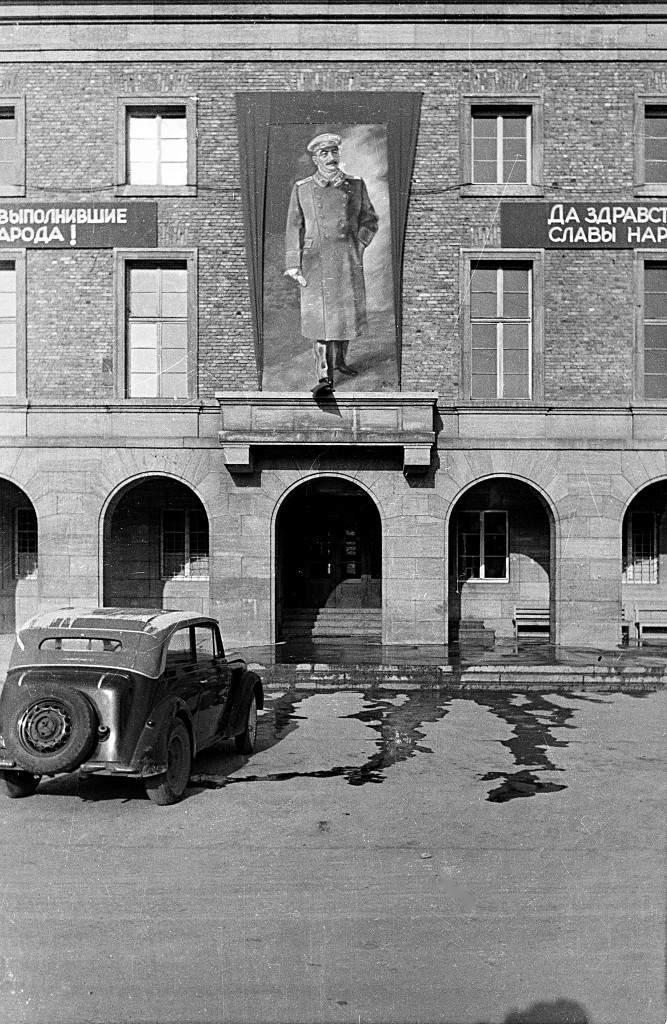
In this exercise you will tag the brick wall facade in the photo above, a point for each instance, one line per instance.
(588, 155)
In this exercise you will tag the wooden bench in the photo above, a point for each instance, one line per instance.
(650, 619)
(531, 619)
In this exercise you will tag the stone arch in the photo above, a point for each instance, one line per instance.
(19, 553)
(502, 538)
(644, 562)
(327, 558)
(154, 533)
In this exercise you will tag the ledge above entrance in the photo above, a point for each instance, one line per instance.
(395, 419)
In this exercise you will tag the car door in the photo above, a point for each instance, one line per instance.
(214, 680)
(180, 671)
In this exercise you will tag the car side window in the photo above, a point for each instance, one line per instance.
(205, 643)
(179, 651)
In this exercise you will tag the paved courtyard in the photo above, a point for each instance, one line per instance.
(483, 858)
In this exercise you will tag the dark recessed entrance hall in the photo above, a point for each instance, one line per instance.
(329, 562)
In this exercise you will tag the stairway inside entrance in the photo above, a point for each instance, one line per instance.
(332, 623)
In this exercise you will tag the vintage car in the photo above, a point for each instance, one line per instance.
(124, 692)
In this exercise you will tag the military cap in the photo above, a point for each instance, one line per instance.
(320, 141)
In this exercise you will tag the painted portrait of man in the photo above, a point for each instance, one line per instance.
(328, 282)
(330, 222)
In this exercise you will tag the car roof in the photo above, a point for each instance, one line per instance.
(135, 620)
(142, 632)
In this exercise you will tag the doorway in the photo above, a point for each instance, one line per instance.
(329, 551)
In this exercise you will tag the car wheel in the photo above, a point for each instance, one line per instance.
(17, 784)
(245, 741)
(49, 728)
(169, 787)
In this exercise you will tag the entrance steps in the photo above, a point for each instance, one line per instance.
(332, 623)
(471, 632)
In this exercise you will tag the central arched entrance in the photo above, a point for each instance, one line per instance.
(329, 562)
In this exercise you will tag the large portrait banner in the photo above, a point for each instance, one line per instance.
(326, 203)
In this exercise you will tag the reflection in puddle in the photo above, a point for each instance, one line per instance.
(519, 784)
(532, 721)
(536, 722)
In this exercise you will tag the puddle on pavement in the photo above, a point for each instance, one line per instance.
(538, 726)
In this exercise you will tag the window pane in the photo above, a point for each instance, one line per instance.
(515, 162)
(483, 293)
(7, 334)
(144, 174)
(655, 145)
(495, 568)
(468, 537)
(7, 123)
(174, 174)
(204, 644)
(174, 304)
(516, 294)
(174, 126)
(173, 385)
(179, 646)
(143, 126)
(484, 149)
(655, 292)
(8, 382)
(143, 385)
(174, 151)
(26, 542)
(484, 386)
(516, 386)
(143, 291)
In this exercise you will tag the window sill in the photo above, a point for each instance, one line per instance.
(487, 583)
(152, 191)
(659, 190)
(503, 191)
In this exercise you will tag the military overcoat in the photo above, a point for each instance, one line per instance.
(329, 224)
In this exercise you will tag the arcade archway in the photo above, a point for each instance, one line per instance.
(329, 562)
(156, 547)
(501, 541)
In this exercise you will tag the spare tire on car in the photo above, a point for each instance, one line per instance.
(49, 728)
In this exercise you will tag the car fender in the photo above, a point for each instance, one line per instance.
(248, 683)
(150, 755)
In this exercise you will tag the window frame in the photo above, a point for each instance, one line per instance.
(18, 258)
(18, 103)
(123, 257)
(481, 513)
(643, 187)
(504, 256)
(186, 532)
(165, 101)
(535, 155)
(629, 552)
(641, 258)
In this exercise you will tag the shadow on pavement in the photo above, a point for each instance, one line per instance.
(562, 1011)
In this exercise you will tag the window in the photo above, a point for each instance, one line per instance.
(12, 147)
(651, 145)
(184, 543)
(8, 316)
(157, 332)
(156, 146)
(640, 548)
(179, 650)
(501, 141)
(25, 533)
(501, 301)
(205, 643)
(500, 145)
(653, 333)
(482, 546)
(500, 329)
